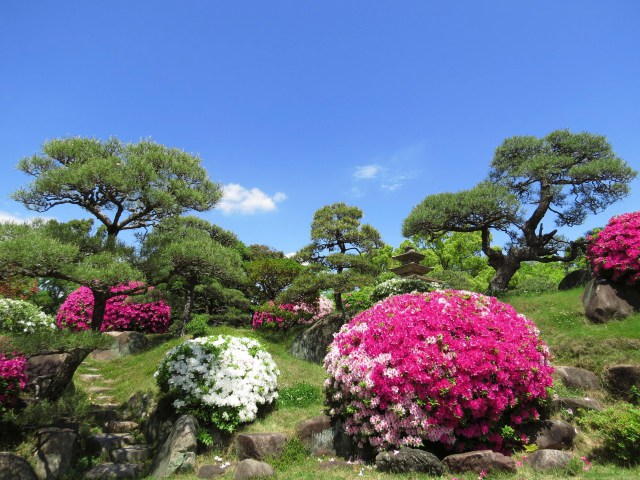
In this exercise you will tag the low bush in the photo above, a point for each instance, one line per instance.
(357, 301)
(13, 379)
(455, 368)
(398, 286)
(619, 429)
(122, 313)
(283, 316)
(18, 316)
(221, 380)
(198, 326)
(458, 280)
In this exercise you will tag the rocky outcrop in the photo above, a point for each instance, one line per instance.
(619, 380)
(408, 460)
(480, 461)
(576, 403)
(551, 434)
(312, 344)
(178, 454)
(578, 378)
(250, 468)
(604, 300)
(575, 279)
(51, 373)
(55, 451)
(316, 434)
(546, 459)
(124, 343)
(14, 467)
(260, 445)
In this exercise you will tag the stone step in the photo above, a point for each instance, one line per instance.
(105, 442)
(114, 471)
(99, 389)
(104, 399)
(104, 413)
(90, 377)
(132, 454)
(121, 426)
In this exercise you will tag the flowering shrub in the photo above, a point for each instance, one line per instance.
(452, 367)
(120, 314)
(13, 379)
(285, 315)
(18, 316)
(614, 252)
(222, 379)
(398, 286)
(19, 288)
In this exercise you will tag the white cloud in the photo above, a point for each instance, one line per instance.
(367, 171)
(6, 217)
(237, 199)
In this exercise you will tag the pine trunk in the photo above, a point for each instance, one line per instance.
(504, 273)
(99, 307)
(186, 314)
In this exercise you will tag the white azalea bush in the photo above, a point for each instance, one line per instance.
(398, 286)
(18, 316)
(222, 380)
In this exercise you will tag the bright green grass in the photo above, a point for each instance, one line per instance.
(572, 339)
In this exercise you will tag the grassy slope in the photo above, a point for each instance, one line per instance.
(559, 316)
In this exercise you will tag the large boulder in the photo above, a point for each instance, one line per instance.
(620, 378)
(551, 434)
(575, 279)
(178, 454)
(312, 344)
(546, 459)
(124, 343)
(604, 300)
(316, 433)
(260, 445)
(14, 467)
(480, 461)
(250, 468)
(408, 460)
(55, 451)
(51, 373)
(577, 378)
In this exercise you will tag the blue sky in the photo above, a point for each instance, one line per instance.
(294, 105)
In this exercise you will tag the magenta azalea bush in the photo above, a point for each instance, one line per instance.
(121, 313)
(614, 252)
(285, 315)
(451, 367)
(13, 379)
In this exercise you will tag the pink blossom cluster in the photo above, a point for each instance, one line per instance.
(13, 378)
(120, 314)
(299, 313)
(614, 252)
(448, 367)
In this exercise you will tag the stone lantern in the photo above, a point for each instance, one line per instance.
(410, 265)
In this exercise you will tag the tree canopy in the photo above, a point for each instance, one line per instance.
(340, 244)
(125, 186)
(562, 176)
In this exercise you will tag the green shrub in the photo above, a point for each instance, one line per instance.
(398, 286)
(358, 300)
(534, 285)
(199, 325)
(619, 429)
(457, 280)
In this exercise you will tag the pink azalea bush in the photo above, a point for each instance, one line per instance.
(121, 313)
(13, 379)
(614, 252)
(285, 315)
(450, 367)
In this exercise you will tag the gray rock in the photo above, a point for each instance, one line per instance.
(333, 464)
(483, 460)
(604, 300)
(312, 430)
(547, 458)
(250, 468)
(578, 378)
(408, 460)
(55, 451)
(132, 454)
(157, 427)
(140, 406)
(105, 442)
(260, 445)
(124, 343)
(178, 454)
(577, 278)
(212, 471)
(114, 471)
(51, 373)
(121, 426)
(14, 467)
(312, 344)
(620, 378)
(551, 434)
(577, 403)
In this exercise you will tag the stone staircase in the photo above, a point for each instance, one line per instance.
(120, 445)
